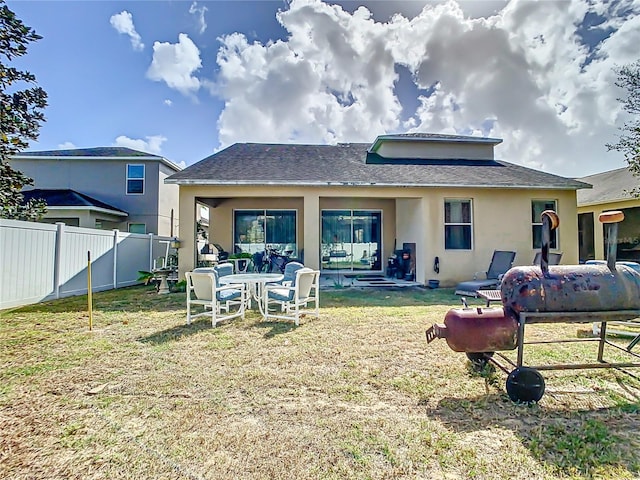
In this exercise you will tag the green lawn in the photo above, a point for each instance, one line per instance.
(356, 394)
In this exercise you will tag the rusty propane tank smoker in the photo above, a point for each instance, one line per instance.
(574, 288)
(546, 294)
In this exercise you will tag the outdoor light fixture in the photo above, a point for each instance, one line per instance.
(175, 243)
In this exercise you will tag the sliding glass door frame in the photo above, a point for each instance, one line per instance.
(251, 245)
(341, 251)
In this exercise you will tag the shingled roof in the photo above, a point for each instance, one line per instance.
(69, 198)
(98, 153)
(352, 164)
(610, 186)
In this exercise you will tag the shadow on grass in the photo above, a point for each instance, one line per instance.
(129, 299)
(582, 443)
(176, 333)
(275, 328)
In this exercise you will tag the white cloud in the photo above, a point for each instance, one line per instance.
(67, 146)
(333, 79)
(123, 23)
(175, 64)
(199, 12)
(151, 144)
(523, 74)
(168, 102)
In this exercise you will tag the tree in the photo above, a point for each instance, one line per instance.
(20, 116)
(629, 142)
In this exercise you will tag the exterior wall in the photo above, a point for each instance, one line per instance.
(501, 221)
(105, 179)
(598, 230)
(85, 218)
(413, 223)
(81, 218)
(415, 149)
(168, 198)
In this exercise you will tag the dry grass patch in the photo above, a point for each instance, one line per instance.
(357, 394)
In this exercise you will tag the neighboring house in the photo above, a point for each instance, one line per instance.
(105, 188)
(352, 205)
(610, 192)
(75, 209)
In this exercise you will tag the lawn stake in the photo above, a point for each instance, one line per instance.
(89, 300)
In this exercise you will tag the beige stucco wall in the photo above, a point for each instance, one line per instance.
(501, 220)
(168, 199)
(414, 149)
(598, 231)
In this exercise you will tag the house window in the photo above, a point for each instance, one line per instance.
(256, 230)
(137, 228)
(457, 224)
(537, 207)
(135, 179)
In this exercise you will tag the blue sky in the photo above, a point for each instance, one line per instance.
(183, 79)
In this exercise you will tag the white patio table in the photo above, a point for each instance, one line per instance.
(255, 283)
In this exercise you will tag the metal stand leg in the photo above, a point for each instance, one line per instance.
(603, 338)
(633, 343)
(521, 324)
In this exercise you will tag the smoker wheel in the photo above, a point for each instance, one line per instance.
(479, 360)
(525, 384)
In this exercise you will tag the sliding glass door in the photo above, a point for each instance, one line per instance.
(351, 240)
(256, 230)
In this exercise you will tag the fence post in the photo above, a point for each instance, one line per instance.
(116, 233)
(57, 260)
(150, 251)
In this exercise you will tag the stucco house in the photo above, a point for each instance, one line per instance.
(354, 204)
(610, 192)
(105, 187)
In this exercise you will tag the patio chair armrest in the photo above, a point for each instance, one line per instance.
(232, 286)
(276, 286)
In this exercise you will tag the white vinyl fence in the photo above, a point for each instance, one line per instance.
(40, 261)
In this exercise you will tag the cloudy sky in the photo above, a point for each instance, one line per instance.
(184, 79)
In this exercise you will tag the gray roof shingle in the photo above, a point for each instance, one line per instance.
(97, 153)
(90, 152)
(67, 198)
(608, 187)
(349, 164)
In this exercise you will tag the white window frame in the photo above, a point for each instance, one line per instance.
(538, 223)
(144, 173)
(453, 224)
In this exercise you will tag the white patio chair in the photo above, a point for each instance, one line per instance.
(293, 300)
(213, 297)
(290, 270)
